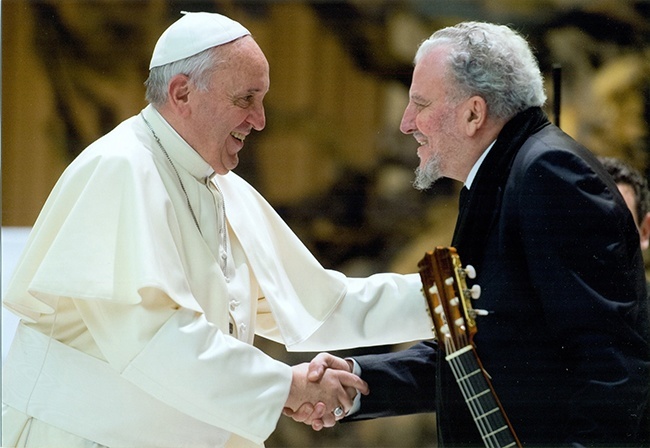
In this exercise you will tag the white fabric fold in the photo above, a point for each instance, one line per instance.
(117, 230)
(92, 401)
(112, 226)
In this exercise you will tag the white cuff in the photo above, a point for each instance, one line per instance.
(356, 369)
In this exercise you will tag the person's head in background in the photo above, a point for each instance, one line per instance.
(634, 189)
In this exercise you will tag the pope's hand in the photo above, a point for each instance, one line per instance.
(337, 386)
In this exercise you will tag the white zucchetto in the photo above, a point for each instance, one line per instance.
(193, 33)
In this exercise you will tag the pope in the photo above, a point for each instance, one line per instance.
(152, 266)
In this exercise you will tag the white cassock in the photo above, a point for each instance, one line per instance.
(138, 322)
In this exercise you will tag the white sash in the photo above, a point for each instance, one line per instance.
(80, 394)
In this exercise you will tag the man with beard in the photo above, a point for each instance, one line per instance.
(556, 252)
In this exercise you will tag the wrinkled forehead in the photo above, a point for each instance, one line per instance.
(244, 66)
(242, 53)
(431, 70)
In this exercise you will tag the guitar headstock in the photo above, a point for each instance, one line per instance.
(445, 288)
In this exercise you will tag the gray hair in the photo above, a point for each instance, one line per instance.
(197, 67)
(493, 62)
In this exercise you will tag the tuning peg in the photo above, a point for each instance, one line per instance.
(470, 271)
(475, 313)
(475, 291)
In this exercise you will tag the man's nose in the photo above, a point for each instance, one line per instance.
(407, 126)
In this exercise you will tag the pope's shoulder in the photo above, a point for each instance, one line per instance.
(127, 141)
(125, 148)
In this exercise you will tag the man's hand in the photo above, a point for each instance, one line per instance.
(334, 378)
(324, 361)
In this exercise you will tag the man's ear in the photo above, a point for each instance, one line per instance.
(178, 90)
(475, 115)
(644, 231)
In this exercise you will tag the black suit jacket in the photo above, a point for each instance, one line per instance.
(558, 259)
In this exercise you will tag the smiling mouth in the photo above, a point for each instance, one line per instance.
(239, 136)
(421, 139)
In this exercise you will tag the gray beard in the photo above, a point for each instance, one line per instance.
(427, 175)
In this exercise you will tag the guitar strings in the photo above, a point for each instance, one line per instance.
(483, 406)
(469, 393)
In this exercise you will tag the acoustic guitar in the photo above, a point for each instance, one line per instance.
(454, 319)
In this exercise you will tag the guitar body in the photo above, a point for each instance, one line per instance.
(454, 319)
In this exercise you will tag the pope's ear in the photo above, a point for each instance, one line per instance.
(178, 91)
(475, 114)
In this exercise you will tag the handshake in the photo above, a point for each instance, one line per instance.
(323, 391)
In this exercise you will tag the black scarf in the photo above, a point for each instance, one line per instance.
(479, 208)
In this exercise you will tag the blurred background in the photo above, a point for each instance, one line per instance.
(331, 159)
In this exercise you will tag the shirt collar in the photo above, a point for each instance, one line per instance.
(178, 149)
(477, 165)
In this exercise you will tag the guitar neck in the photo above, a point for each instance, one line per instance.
(446, 292)
(490, 419)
